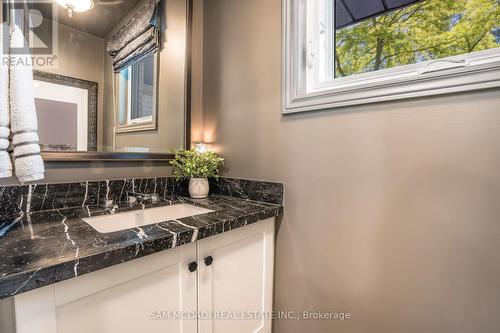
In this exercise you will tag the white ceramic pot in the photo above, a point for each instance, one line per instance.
(198, 188)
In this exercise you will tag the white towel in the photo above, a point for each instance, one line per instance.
(5, 162)
(23, 122)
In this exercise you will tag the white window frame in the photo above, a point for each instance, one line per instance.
(478, 70)
(141, 120)
(147, 123)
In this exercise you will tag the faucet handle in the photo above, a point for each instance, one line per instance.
(131, 197)
(134, 197)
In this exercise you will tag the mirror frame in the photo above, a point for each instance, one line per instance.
(88, 156)
(92, 90)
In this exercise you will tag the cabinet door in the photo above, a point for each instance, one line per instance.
(137, 296)
(236, 288)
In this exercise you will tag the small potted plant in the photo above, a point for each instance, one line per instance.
(197, 165)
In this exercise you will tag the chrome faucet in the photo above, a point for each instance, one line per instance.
(133, 197)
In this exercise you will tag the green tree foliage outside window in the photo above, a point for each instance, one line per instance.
(427, 30)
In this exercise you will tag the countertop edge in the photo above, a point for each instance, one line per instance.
(21, 282)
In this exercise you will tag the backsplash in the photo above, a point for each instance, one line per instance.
(16, 199)
(40, 197)
(271, 192)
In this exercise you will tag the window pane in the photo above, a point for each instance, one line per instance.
(426, 30)
(143, 88)
(122, 89)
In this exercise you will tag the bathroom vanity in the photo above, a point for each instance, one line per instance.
(87, 268)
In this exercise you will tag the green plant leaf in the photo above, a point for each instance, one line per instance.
(192, 164)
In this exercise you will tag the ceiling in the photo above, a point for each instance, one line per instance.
(98, 21)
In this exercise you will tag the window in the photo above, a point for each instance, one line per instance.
(136, 95)
(348, 52)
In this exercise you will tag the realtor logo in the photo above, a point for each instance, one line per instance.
(37, 20)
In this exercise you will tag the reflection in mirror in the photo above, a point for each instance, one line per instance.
(119, 82)
(67, 112)
(135, 91)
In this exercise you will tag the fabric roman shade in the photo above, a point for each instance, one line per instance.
(139, 37)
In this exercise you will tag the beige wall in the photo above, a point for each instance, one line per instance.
(392, 210)
(171, 89)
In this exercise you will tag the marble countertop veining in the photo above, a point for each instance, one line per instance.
(45, 247)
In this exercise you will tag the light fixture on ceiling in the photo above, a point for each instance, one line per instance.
(76, 5)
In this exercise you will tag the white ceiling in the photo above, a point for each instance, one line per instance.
(98, 21)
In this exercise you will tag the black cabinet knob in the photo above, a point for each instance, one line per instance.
(193, 266)
(209, 260)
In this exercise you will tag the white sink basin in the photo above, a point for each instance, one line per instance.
(138, 218)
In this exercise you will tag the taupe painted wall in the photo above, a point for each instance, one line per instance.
(392, 210)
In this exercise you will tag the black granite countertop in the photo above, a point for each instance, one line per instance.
(44, 247)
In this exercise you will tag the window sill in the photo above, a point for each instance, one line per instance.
(435, 83)
(137, 127)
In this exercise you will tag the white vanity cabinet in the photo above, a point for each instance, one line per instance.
(235, 279)
(120, 298)
(162, 291)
